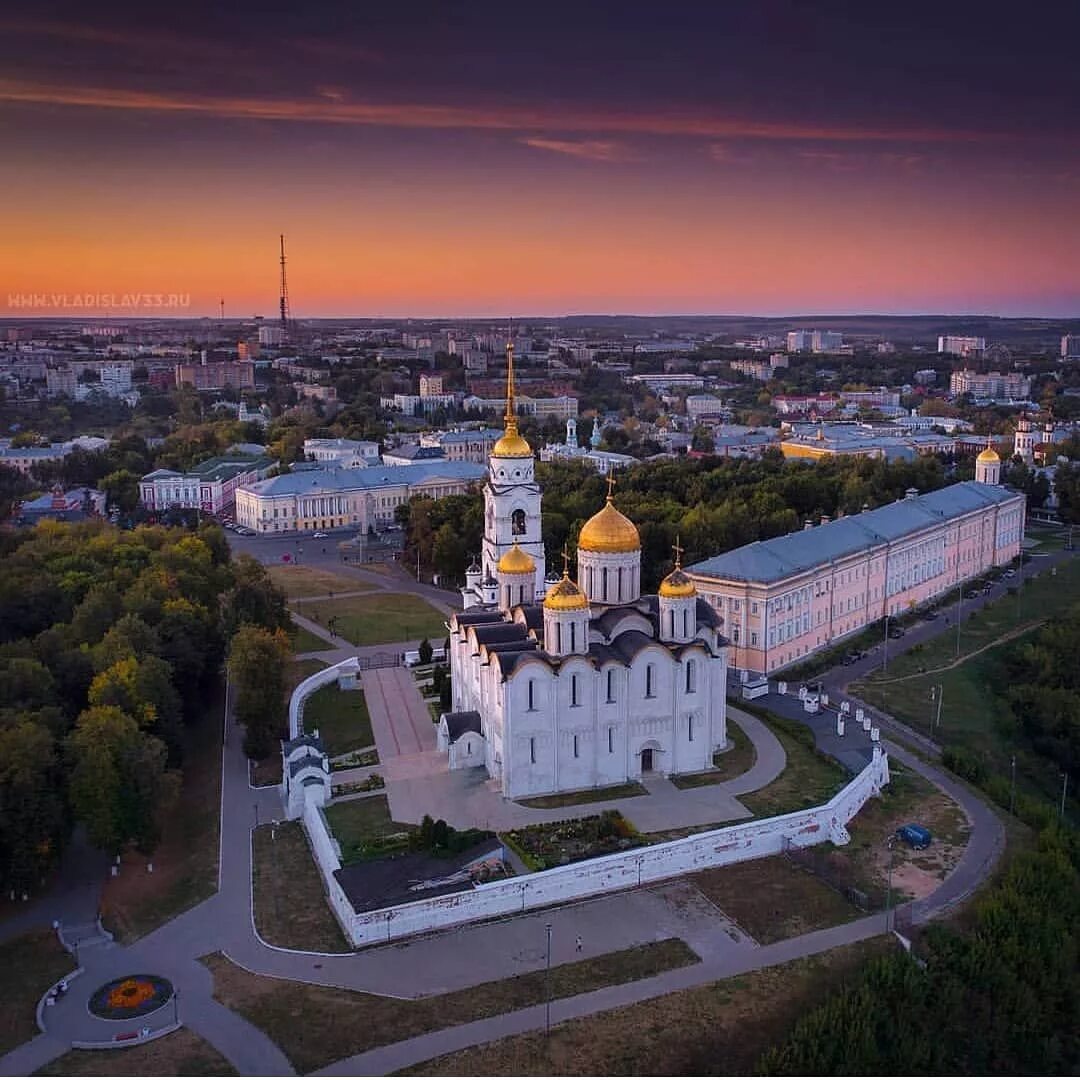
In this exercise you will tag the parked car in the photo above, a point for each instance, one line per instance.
(931, 615)
(319, 536)
(915, 836)
(896, 631)
(1009, 574)
(971, 594)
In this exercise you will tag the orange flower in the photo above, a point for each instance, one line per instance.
(130, 994)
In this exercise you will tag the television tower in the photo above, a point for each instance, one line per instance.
(284, 303)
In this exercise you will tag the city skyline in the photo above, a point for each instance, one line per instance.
(482, 162)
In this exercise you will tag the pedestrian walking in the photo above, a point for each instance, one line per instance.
(577, 944)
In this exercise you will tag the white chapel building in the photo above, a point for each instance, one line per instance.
(579, 684)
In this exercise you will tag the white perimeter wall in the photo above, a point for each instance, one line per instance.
(719, 847)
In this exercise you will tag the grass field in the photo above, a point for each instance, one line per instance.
(808, 779)
(358, 823)
(186, 861)
(734, 761)
(316, 1025)
(590, 795)
(341, 717)
(29, 965)
(975, 714)
(380, 617)
(714, 1030)
(772, 899)
(290, 905)
(183, 1053)
(298, 582)
(304, 641)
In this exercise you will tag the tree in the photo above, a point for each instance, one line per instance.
(120, 787)
(254, 599)
(448, 553)
(31, 805)
(426, 651)
(257, 660)
(121, 490)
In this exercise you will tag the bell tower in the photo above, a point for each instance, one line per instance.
(512, 496)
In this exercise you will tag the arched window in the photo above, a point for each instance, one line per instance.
(691, 676)
(517, 523)
(573, 639)
(650, 679)
(611, 684)
(521, 594)
(618, 585)
(574, 700)
(558, 637)
(532, 695)
(603, 584)
(671, 624)
(685, 623)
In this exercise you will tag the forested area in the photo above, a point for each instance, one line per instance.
(1002, 997)
(714, 504)
(1043, 689)
(111, 643)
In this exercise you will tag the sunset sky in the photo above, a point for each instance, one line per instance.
(474, 159)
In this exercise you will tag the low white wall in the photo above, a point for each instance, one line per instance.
(308, 687)
(719, 847)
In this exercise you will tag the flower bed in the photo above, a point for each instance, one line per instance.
(544, 846)
(130, 997)
(373, 783)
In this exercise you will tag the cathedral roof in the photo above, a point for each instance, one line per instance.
(517, 561)
(496, 633)
(458, 723)
(565, 595)
(677, 584)
(609, 531)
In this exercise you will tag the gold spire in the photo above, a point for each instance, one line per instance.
(511, 445)
(566, 595)
(609, 530)
(677, 584)
(989, 455)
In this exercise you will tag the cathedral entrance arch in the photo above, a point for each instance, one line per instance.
(649, 756)
(646, 761)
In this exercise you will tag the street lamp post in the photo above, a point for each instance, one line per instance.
(937, 692)
(1064, 792)
(959, 616)
(176, 1007)
(888, 891)
(1012, 790)
(885, 644)
(547, 984)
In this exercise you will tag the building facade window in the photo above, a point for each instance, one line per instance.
(691, 676)
(650, 672)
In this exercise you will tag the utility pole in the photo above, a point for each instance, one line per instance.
(885, 643)
(888, 892)
(959, 617)
(547, 983)
(1012, 792)
(283, 300)
(1064, 792)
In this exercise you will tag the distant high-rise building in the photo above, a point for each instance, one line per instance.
(1010, 386)
(799, 340)
(431, 385)
(1070, 347)
(271, 335)
(825, 341)
(956, 345)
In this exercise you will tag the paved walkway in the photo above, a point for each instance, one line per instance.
(450, 960)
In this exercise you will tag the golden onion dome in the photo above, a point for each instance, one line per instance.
(609, 531)
(517, 561)
(512, 445)
(677, 584)
(565, 595)
(989, 457)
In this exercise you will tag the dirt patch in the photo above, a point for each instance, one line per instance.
(183, 1053)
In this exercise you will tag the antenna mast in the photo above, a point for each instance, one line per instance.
(284, 302)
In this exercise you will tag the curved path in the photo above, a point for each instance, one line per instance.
(447, 961)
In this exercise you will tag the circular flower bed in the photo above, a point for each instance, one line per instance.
(130, 996)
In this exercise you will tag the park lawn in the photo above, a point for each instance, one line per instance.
(773, 899)
(298, 671)
(317, 1025)
(186, 861)
(810, 778)
(29, 965)
(1038, 601)
(299, 582)
(589, 795)
(974, 715)
(714, 1030)
(304, 641)
(736, 759)
(341, 717)
(358, 823)
(183, 1053)
(380, 617)
(291, 910)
